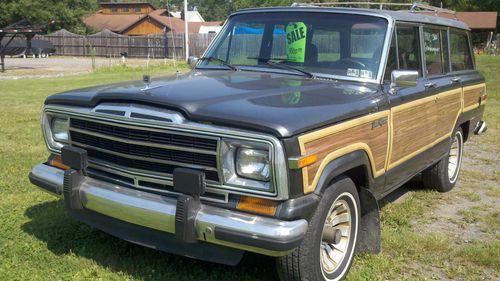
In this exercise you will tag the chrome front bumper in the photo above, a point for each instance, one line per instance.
(264, 235)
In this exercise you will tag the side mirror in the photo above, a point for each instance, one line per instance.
(403, 79)
(192, 61)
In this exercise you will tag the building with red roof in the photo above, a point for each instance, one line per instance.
(138, 18)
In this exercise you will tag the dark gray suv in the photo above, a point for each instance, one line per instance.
(280, 140)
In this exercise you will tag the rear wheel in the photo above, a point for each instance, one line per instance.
(327, 251)
(444, 174)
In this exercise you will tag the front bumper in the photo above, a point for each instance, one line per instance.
(228, 228)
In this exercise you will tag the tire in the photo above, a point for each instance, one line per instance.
(443, 175)
(310, 260)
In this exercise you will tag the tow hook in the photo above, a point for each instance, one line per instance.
(480, 127)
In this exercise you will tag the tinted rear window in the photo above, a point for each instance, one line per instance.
(461, 58)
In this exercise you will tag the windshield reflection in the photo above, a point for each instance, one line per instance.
(301, 43)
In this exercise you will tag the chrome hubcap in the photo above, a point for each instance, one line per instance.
(336, 236)
(455, 157)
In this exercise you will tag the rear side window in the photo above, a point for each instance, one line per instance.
(436, 51)
(461, 59)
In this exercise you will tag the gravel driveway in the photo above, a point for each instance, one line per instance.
(17, 68)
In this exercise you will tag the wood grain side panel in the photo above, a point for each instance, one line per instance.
(417, 126)
(344, 138)
(472, 95)
(375, 138)
(413, 128)
(448, 108)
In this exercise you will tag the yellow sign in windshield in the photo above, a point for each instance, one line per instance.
(296, 33)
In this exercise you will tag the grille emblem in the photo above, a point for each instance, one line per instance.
(136, 111)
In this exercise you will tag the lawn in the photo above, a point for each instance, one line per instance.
(425, 235)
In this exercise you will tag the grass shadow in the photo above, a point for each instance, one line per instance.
(63, 235)
(400, 193)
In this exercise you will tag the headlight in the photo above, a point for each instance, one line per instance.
(253, 164)
(59, 129)
(55, 128)
(248, 165)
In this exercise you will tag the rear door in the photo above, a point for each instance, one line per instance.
(441, 85)
(463, 71)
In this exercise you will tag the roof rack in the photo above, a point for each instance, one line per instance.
(413, 7)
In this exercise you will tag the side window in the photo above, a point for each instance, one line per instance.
(444, 44)
(461, 58)
(434, 52)
(408, 48)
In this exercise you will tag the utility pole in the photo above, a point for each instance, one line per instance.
(186, 30)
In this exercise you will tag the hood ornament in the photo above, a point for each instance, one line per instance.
(147, 80)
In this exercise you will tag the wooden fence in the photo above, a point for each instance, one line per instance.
(170, 45)
(110, 44)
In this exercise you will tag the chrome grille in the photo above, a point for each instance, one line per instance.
(148, 151)
(182, 141)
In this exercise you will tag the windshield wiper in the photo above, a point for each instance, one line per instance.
(223, 62)
(278, 63)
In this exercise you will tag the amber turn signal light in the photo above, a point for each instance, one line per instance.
(299, 163)
(56, 161)
(257, 205)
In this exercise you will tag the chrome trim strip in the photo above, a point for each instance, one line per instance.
(195, 129)
(158, 212)
(161, 180)
(151, 144)
(115, 168)
(147, 159)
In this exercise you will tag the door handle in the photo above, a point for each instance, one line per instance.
(430, 85)
(455, 79)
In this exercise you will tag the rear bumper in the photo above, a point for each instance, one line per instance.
(263, 235)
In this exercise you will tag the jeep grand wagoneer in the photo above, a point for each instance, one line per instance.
(280, 140)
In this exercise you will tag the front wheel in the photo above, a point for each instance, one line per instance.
(328, 248)
(444, 174)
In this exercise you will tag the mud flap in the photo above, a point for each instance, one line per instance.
(369, 228)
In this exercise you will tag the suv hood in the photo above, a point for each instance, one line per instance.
(281, 104)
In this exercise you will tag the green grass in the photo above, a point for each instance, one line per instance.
(39, 241)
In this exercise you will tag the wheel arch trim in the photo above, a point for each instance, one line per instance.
(338, 166)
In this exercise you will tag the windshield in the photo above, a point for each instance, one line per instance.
(301, 43)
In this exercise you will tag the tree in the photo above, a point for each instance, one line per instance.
(66, 13)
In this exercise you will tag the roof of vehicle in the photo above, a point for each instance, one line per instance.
(404, 16)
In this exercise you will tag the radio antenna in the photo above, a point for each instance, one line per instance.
(176, 65)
